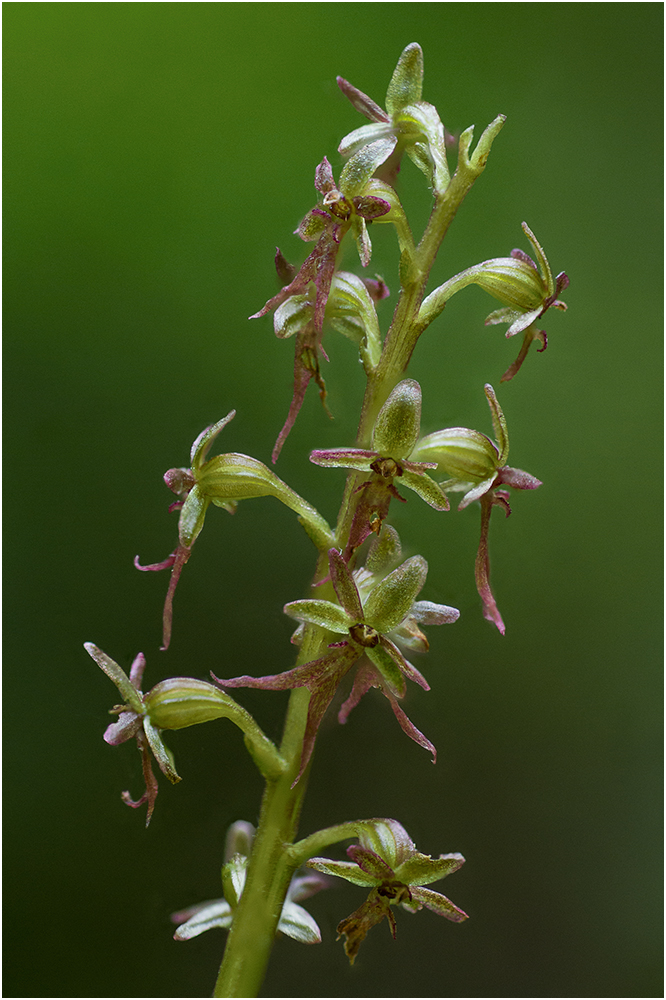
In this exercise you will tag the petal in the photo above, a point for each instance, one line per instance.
(344, 458)
(324, 181)
(388, 671)
(202, 444)
(407, 81)
(369, 207)
(370, 862)
(478, 491)
(363, 136)
(426, 488)
(541, 259)
(341, 869)
(362, 165)
(297, 923)
(439, 904)
(499, 424)
(116, 673)
(344, 585)
(407, 668)
(518, 479)
(323, 613)
(398, 423)
(127, 726)
(361, 101)
(384, 551)
(390, 601)
(422, 869)
(363, 244)
(162, 755)
(427, 613)
(216, 913)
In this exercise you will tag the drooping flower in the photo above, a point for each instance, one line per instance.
(175, 703)
(389, 459)
(410, 124)
(526, 288)
(350, 310)
(223, 480)
(341, 209)
(294, 921)
(370, 626)
(386, 862)
(478, 469)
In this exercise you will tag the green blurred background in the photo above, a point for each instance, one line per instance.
(155, 155)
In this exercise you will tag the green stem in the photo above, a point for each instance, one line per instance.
(270, 870)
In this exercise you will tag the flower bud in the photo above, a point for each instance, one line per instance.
(513, 281)
(464, 454)
(399, 421)
(185, 701)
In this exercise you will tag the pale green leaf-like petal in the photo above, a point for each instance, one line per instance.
(323, 613)
(438, 904)
(114, 672)
(406, 84)
(215, 913)
(202, 444)
(422, 869)
(390, 601)
(297, 923)
(399, 421)
(162, 755)
(364, 135)
(341, 869)
(360, 168)
(192, 516)
(426, 488)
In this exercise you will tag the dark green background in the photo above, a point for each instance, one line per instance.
(155, 155)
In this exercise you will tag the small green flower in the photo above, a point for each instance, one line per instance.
(295, 922)
(342, 208)
(373, 626)
(386, 861)
(390, 458)
(350, 310)
(408, 125)
(175, 703)
(223, 480)
(526, 288)
(478, 467)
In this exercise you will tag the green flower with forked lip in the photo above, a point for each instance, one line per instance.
(387, 862)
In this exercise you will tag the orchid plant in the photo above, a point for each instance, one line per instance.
(363, 610)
